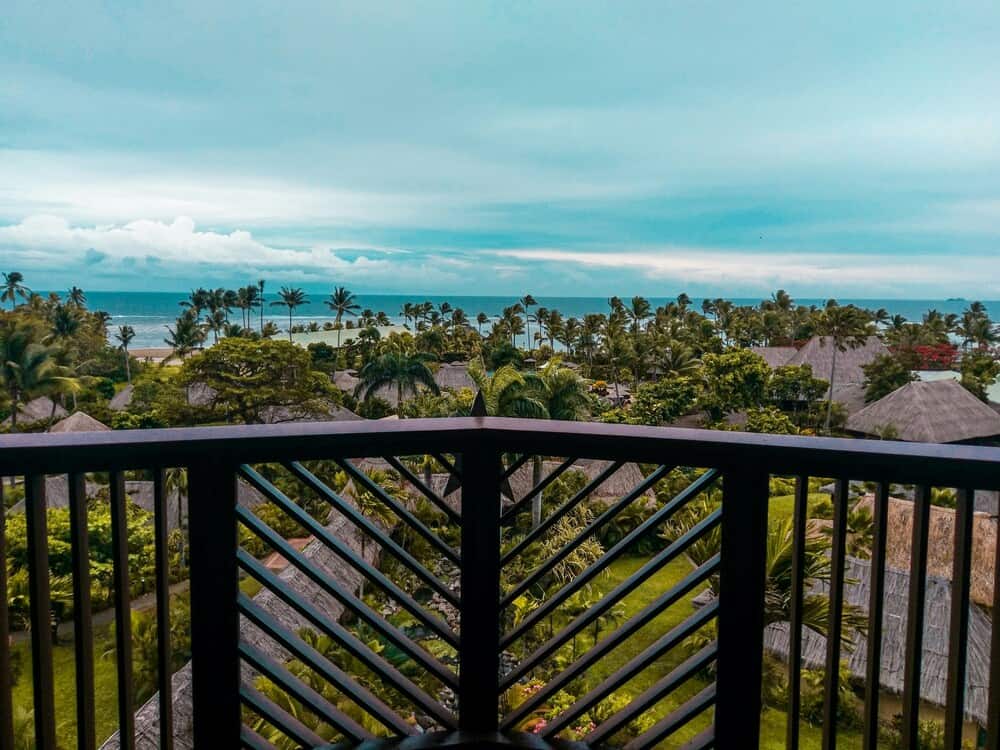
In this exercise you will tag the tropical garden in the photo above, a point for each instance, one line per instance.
(632, 364)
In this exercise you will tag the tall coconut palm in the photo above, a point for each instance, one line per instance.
(125, 335)
(65, 321)
(342, 302)
(527, 302)
(13, 287)
(76, 297)
(291, 297)
(847, 327)
(408, 372)
(185, 336)
(260, 301)
(30, 368)
(481, 319)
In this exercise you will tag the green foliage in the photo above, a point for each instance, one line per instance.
(732, 381)
(252, 379)
(980, 370)
(374, 407)
(795, 384)
(663, 402)
(886, 373)
(771, 420)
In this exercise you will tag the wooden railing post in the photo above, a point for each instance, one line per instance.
(741, 608)
(478, 689)
(215, 660)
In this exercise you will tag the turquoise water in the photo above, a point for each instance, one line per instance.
(149, 313)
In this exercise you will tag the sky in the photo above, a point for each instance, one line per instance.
(558, 148)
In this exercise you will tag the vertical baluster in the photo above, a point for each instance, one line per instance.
(959, 626)
(6, 696)
(915, 615)
(993, 729)
(876, 613)
(800, 519)
(838, 551)
(163, 672)
(741, 607)
(83, 633)
(479, 649)
(215, 621)
(40, 612)
(123, 610)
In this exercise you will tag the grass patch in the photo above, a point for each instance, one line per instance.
(773, 721)
(64, 687)
(783, 506)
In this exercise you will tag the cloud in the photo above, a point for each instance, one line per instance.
(93, 257)
(826, 273)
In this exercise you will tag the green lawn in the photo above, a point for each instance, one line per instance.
(783, 506)
(64, 670)
(772, 721)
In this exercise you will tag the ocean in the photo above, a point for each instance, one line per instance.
(149, 313)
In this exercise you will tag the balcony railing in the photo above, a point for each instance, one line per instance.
(455, 639)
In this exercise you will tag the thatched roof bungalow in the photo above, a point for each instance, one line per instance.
(775, 356)
(79, 422)
(818, 354)
(940, 411)
(454, 375)
(39, 409)
(941, 544)
(934, 673)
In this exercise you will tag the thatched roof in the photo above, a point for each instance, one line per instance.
(121, 400)
(941, 544)
(818, 354)
(200, 394)
(939, 411)
(934, 672)
(345, 381)
(454, 375)
(37, 410)
(79, 422)
(284, 414)
(775, 356)
(620, 483)
(850, 395)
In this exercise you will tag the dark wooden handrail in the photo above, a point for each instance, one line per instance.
(877, 460)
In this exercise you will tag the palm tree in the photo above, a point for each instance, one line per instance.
(290, 298)
(65, 323)
(848, 328)
(638, 311)
(216, 323)
(260, 301)
(481, 319)
(76, 297)
(527, 302)
(14, 287)
(185, 336)
(406, 371)
(510, 393)
(125, 335)
(29, 368)
(342, 302)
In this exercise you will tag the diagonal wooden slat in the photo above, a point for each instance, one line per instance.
(654, 693)
(322, 666)
(663, 645)
(250, 740)
(308, 697)
(404, 515)
(674, 721)
(277, 717)
(681, 499)
(614, 553)
(385, 541)
(704, 740)
(661, 559)
(342, 550)
(361, 610)
(521, 503)
(423, 489)
(559, 512)
(513, 466)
